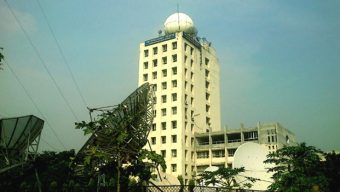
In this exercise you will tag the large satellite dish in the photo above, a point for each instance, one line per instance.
(19, 139)
(134, 115)
(251, 156)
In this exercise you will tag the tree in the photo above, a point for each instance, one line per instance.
(297, 168)
(191, 185)
(331, 167)
(49, 171)
(181, 182)
(227, 178)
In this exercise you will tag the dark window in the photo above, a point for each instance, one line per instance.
(155, 50)
(163, 139)
(174, 58)
(174, 138)
(174, 124)
(165, 47)
(174, 45)
(164, 60)
(163, 125)
(153, 140)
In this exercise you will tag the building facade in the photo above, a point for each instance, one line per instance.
(184, 70)
(218, 148)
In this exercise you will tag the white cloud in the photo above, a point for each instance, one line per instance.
(8, 24)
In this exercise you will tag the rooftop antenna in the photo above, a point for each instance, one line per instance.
(179, 27)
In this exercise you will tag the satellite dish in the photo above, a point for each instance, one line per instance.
(251, 156)
(211, 169)
(19, 139)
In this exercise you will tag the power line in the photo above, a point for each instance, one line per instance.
(62, 54)
(49, 144)
(35, 105)
(42, 61)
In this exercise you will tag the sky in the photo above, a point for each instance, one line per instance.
(279, 61)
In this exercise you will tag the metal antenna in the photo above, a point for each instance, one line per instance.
(179, 27)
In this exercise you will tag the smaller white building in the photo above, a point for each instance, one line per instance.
(217, 148)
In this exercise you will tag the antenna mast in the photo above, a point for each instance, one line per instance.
(179, 27)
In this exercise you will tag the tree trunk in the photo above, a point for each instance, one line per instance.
(119, 163)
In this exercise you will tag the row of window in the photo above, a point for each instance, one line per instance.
(272, 138)
(164, 61)
(191, 61)
(215, 153)
(164, 74)
(191, 74)
(164, 125)
(173, 153)
(188, 48)
(174, 57)
(164, 49)
(273, 147)
(191, 125)
(249, 136)
(164, 85)
(163, 139)
(164, 98)
(163, 111)
(174, 168)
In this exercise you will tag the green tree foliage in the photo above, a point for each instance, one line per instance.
(181, 182)
(52, 169)
(331, 167)
(226, 178)
(191, 185)
(297, 168)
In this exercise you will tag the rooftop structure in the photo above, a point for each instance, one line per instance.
(179, 22)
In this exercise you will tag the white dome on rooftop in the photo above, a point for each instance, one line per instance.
(179, 22)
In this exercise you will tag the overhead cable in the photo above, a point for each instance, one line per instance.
(55, 149)
(42, 61)
(62, 54)
(33, 102)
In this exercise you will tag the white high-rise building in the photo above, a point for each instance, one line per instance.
(185, 72)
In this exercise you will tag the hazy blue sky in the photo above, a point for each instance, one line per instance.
(280, 60)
